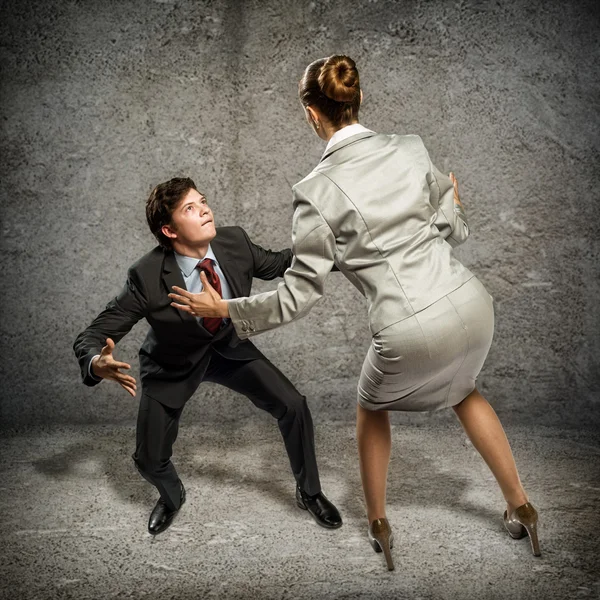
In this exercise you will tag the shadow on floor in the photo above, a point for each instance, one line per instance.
(411, 482)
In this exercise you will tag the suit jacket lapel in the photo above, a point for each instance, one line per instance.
(172, 276)
(228, 268)
(227, 265)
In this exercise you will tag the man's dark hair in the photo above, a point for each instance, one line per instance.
(161, 203)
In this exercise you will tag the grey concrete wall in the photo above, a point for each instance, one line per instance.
(102, 100)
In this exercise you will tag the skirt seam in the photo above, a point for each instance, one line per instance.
(464, 357)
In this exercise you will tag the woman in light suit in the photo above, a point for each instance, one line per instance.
(378, 208)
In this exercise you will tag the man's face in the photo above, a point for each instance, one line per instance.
(192, 221)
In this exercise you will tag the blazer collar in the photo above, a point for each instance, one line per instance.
(347, 142)
(187, 264)
(172, 271)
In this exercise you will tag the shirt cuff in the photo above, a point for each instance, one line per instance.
(90, 372)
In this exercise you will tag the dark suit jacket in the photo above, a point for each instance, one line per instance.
(175, 353)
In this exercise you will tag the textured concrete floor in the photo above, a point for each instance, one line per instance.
(74, 515)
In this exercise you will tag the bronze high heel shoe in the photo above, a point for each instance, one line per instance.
(382, 539)
(523, 521)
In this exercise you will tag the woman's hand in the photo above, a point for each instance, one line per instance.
(455, 184)
(207, 303)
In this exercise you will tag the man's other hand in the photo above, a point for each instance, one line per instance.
(107, 367)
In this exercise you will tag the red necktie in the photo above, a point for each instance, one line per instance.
(211, 323)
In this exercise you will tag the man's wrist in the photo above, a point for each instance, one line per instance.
(91, 371)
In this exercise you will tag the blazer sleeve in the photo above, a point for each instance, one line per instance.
(267, 263)
(313, 247)
(450, 220)
(114, 322)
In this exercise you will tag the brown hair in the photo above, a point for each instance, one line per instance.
(161, 203)
(332, 86)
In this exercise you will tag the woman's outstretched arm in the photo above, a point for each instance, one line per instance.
(313, 247)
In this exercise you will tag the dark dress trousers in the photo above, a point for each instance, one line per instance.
(179, 353)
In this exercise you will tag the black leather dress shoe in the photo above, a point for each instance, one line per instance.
(162, 516)
(321, 509)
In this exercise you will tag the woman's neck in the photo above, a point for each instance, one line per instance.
(330, 130)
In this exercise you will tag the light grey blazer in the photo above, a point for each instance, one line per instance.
(376, 207)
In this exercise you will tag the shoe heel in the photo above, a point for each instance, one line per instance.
(533, 538)
(523, 522)
(383, 541)
(388, 555)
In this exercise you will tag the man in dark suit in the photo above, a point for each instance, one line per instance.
(180, 350)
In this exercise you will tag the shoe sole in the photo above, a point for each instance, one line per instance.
(377, 547)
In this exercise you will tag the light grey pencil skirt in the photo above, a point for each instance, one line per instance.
(431, 359)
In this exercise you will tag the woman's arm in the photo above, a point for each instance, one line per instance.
(451, 219)
(313, 246)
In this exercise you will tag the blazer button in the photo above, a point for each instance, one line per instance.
(244, 327)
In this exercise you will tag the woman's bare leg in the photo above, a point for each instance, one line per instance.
(374, 439)
(485, 431)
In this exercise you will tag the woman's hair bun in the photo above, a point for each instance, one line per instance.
(338, 79)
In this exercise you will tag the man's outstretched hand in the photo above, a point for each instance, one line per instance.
(107, 367)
